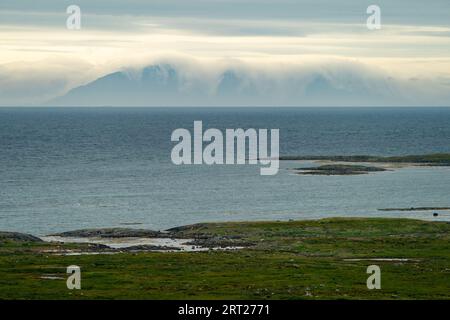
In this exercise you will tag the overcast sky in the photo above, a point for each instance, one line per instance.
(41, 59)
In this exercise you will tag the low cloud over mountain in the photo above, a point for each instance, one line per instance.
(339, 83)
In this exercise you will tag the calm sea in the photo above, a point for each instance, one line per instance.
(70, 168)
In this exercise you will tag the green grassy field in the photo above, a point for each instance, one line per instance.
(289, 260)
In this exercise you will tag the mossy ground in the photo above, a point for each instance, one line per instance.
(291, 260)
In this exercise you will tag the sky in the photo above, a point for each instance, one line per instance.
(40, 59)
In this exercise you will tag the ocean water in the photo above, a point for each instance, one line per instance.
(69, 168)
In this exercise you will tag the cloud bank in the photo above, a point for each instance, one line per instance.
(232, 82)
(225, 52)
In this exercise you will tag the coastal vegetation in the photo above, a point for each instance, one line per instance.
(314, 259)
(436, 159)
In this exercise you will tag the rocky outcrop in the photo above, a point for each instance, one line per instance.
(113, 233)
(16, 236)
(338, 169)
(146, 247)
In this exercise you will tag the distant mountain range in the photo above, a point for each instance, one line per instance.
(168, 85)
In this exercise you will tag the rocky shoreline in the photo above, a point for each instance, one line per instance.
(116, 240)
(415, 209)
(113, 233)
(437, 159)
(338, 169)
(19, 237)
